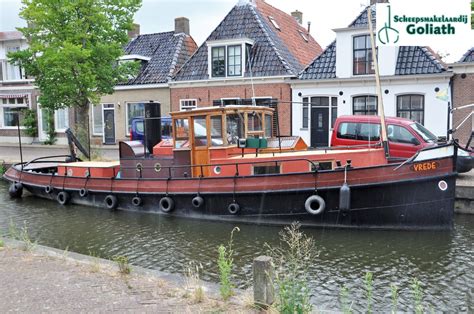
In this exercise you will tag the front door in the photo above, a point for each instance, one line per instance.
(109, 125)
(319, 127)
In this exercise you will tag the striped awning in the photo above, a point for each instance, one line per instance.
(14, 95)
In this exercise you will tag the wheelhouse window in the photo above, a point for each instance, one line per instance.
(200, 131)
(234, 60)
(216, 131)
(187, 104)
(235, 128)
(364, 105)
(182, 133)
(411, 107)
(134, 110)
(218, 61)
(362, 55)
(268, 125)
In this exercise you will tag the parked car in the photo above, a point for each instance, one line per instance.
(137, 128)
(405, 137)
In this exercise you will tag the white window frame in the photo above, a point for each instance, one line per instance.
(183, 106)
(93, 119)
(229, 98)
(7, 64)
(26, 104)
(226, 43)
(115, 120)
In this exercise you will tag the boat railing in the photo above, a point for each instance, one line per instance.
(313, 166)
(44, 159)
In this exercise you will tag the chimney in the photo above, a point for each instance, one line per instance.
(134, 32)
(298, 16)
(181, 25)
(372, 2)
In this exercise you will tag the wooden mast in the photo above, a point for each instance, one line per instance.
(379, 87)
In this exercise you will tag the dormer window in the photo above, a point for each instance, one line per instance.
(274, 22)
(362, 56)
(228, 57)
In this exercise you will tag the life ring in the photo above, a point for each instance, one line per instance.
(48, 189)
(166, 204)
(308, 205)
(111, 201)
(233, 208)
(15, 190)
(83, 192)
(63, 198)
(137, 201)
(197, 201)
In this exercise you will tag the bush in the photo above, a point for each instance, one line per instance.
(30, 122)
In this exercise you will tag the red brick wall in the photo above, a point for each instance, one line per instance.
(463, 94)
(206, 95)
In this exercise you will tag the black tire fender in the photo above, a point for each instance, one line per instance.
(197, 201)
(15, 190)
(166, 204)
(137, 201)
(48, 189)
(315, 199)
(83, 192)
(63, 198)
(111, 201)
(233, 208)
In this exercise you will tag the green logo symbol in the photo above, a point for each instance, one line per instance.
(387, 34)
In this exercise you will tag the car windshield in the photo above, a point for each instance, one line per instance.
(424, 133)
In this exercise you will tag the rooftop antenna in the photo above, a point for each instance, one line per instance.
(379, 88)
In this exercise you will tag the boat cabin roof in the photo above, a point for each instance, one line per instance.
(221, 110)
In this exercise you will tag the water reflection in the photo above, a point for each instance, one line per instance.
(442, 261)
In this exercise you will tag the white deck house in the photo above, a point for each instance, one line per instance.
(341, 81)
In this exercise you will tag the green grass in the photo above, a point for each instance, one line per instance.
(123, 264)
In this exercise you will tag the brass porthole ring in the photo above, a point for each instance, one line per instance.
(139, 167)
(157, 167)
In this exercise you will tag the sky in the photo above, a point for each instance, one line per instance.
(204, 15)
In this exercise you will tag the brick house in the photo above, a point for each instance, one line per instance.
(161, 55)
(247, 59)
(463, 94)
(341, 81)
(17, 91)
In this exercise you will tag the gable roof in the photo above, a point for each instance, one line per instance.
(411, 60)
(11, 35)
(274, 52)
(468, 56)
(167, 52)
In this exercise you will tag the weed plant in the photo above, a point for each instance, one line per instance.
(3, 169)
(123, 264)
(193, 281)
(225, 262)
(369, 289)
(417, 295)
(2, 244)
(394, 290)
(292, 260)
(22, 235)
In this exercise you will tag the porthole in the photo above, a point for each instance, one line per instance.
(157, 167)
(86, 173)
(139, 167)
(443, 186)
(217, 170)
(69, 172)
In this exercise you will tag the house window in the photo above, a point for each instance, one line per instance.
(234, 60)
(305, 113)
(218, 61)
(97, 126)
(61, 119)
(187, 104)
(227, 102)
(364, 105)
(362, 55)
(411, 107)
(11, 111)
(134, 110)
(12, 72)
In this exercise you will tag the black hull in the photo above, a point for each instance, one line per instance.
(408, 204)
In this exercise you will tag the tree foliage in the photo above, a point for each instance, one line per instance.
(73, 49)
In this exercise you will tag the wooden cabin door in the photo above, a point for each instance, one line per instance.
(200, 146)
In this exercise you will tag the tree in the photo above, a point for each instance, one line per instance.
(73, 50)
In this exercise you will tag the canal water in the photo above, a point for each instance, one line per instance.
(442, 261)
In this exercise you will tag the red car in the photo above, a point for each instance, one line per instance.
(405, 137)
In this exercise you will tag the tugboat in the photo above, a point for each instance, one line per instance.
(223, 164)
